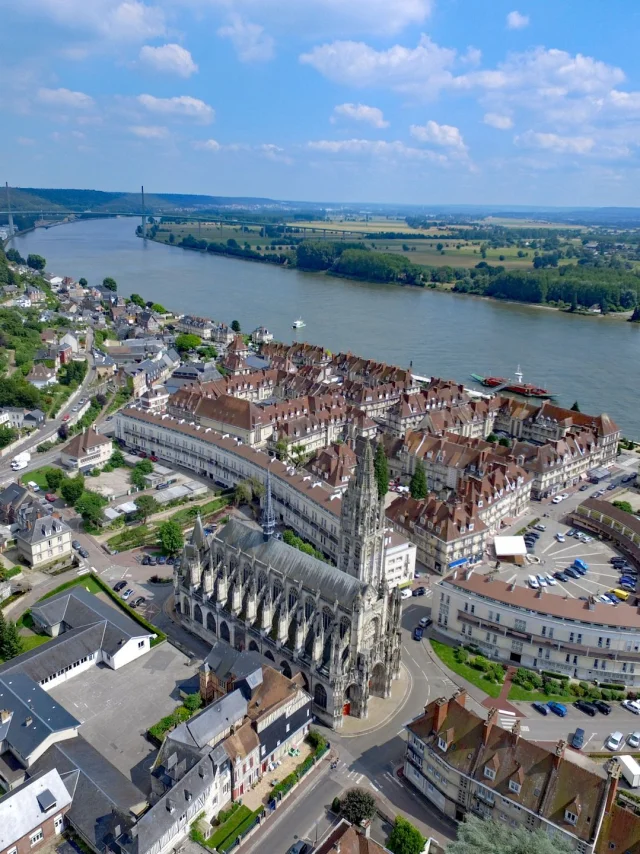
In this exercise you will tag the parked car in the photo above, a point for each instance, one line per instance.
(417, 633)
(533, 582)
(153, 458)
(633, 739)
(152, 561)
(533, 534)
(571, 572)
(142, 454)
(170, 561)
(541, 708)
(425, 622)
(586, 707)
(127, 593)
(119, 585)
(542, 581)
(631, 706)
(66, 417)
(83, 553)
(614, 560)
(76, 544)
(584, 487)
(540, 527)
(557, 499)
(550, 579)
(580, 564)
(420, 591)
(51, 497)
(560, 537)
(162, 486)
(611, 487)
(406, 593)
(615, 741)
(561, 576)
(161, 560)
(145, 560)
(603, 707)
(137, 602)
(577, 741)
(299, 847)
(557, 708)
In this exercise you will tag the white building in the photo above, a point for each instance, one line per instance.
(87, 450)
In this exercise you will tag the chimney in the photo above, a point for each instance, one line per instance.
(460, 697)
(441, 710)
(515, 732)
(488, 725)
(28, 720)
(5, 715)
(559, 754)
(169, 805)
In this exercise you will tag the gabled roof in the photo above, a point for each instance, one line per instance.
(23, 809)
(207, 726)
(85, 442)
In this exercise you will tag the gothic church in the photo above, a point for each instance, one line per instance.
(337, 626)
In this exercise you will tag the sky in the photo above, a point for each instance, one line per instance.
(527, 102)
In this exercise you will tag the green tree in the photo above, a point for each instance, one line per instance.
(504, 441)
(136, 299)
(117, 458)
(405, 838)
(10, 641)
(83, 282)
(14, 256)
(171, 538)
(623, 505)
(139, 471)
(158, 308)
(358, 805)
(7, 436)
(146, 506)
(243, 493)
(483, 836)
(187, 341)
(575, 407)
(235, 325)
(89, 506)
(207, 352)
(110, 284)
(36, 262)
(382, 470)
(192, 702)
(418, 485)
(54, 477)
(72, 488)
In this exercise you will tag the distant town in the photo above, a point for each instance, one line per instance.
(256, 594)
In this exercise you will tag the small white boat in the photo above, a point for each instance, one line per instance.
(298, 324)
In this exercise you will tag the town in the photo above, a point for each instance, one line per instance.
(256, 594)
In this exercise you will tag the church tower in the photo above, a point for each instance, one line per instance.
(362, 525)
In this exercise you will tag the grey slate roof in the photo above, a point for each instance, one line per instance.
(25, 699)
(97, 787)
(13, 495)
(25, 808)
(296, 565)
(43, 661)
(208, 724)
(42, 528)
(226, 661)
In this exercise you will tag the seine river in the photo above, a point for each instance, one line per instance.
(593, 360)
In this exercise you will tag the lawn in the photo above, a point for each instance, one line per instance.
(229, 828)
(446, 655)
(87, 581)
(39, 476)
(517, 692)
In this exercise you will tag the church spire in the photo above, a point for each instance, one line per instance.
(268, 516)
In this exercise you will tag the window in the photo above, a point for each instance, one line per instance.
(571, 817)
(442, 744)
(571, 637)
(13, 850)
(36, 837)
(514, 787)
(57, 823)
(489, 773)
(140, 644)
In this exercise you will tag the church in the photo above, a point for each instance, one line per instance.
(339, 627)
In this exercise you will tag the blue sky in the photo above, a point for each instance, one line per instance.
(413, 101)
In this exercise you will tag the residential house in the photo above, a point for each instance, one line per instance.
(70, 339)
(42, 539)
(155, 400)
(33, 419)
(261, 335)
(40, 376)
(346, 838)
(225, 414)
(192, 325)
(33, 814)
(196, 372)
(11, 500)
(335, 465)
(49, 337)
(48, 354)
(148, 322)
(86, 450)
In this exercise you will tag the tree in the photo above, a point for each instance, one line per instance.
(110, 284)
(235, 325)
(72, 488)
(117, 458)
(83, 282)
(101, 399)
(7, 436)
(192, 702)
(89, 506)
(63, 432)
(405, 838)
(504, 441)
(10, 641)
(623, 505)
(139, 471)
(14, 256)
(382, 470)
(418, 486)
(186, 341)
(208, 351)
(54, 477)
(575, 407)
(483, 835)
(158, 308)
(136, 299)
(36, 262)
(358, 805)
(171, 537)
(243, 493)
(147, 506)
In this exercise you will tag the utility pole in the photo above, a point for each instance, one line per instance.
(144, 218)
(9, 211)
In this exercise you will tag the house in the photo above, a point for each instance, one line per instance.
(261, 335)
(200, 372)
(42, 540)
(32, 815)
(345, 838)
(49, 337)
(71, 340)
(34, 294)
(147, 321)
(48, 354)
(87, 450)
(40, 376)
(65, 353)
(334, 465)
(34, 418)
(11, 500)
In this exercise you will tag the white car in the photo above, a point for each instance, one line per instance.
(615, 741)
(557, 499)
(550, 579)
(560, 538)
(587, 539)
(34, 486)
(631, 706)
(564, 496)
(633, 740)
(406, 593)
(533, 582)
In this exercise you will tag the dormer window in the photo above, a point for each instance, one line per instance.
(489, 773)
(471, 526)
(570, 817)
(514, 787)
(442, 744)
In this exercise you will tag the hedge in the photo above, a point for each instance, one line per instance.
(551, 675)
(612, 687)
(178, 716)
(242, 828)
(227, 829)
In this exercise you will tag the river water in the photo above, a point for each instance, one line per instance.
(593, 360)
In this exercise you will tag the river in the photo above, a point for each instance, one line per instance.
(592, 360)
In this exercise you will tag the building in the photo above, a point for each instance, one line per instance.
(463, 764)
(11, 500)
(87, 450)
(337, 627)
(225, 414)
(345, 838)
(607, 521)
(71, 340)
(514, 624)
(334, 465)
(261, 335)
(33, 814)
(40, 376)
(43, 540)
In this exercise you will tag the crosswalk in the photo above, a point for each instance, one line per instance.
(507, 720)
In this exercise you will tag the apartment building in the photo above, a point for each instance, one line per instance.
(509, 622)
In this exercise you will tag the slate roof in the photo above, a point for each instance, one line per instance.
(13, 496)
(225, 661)
(329, 581)
(41, 528)
(24, 809)
(25, 700)
(96, 786)
(208, 724)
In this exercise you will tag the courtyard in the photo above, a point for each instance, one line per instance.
(116, 707)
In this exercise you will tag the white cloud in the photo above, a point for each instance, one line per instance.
(517, 21)
(129, 20)
(374, 148)
(446, 136)
(168, 58)
(361, 113)
(273, 152)
(65, 99)
(625, 101)
(182, 106)
(250, 41)
(149, 131)
(266, 149)
(497, 120)
(556, 143)
(208, 145)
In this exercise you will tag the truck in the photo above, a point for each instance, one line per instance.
(21, 461)
(630, 770)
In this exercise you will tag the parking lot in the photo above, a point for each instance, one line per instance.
(114, 709)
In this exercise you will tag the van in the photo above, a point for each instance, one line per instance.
(407, 593)
(620, 594)
(580, 564)
(533, 582)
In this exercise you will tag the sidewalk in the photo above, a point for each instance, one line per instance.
(500, 702)
(380, 710)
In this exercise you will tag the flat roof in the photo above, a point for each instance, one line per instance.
(509, 546)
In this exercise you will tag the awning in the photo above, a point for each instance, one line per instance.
(460, 562)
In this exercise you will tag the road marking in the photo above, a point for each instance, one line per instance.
(512, 579)
(524, 729)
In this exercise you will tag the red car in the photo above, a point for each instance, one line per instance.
(142, 454)
(153, 458)
(66, 417)
(51, 496)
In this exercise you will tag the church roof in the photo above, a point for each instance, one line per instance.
(331, 582)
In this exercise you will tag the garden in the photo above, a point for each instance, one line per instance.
(533, 687)
(484, 674)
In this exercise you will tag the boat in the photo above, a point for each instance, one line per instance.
(517, 387)
(298, 324)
